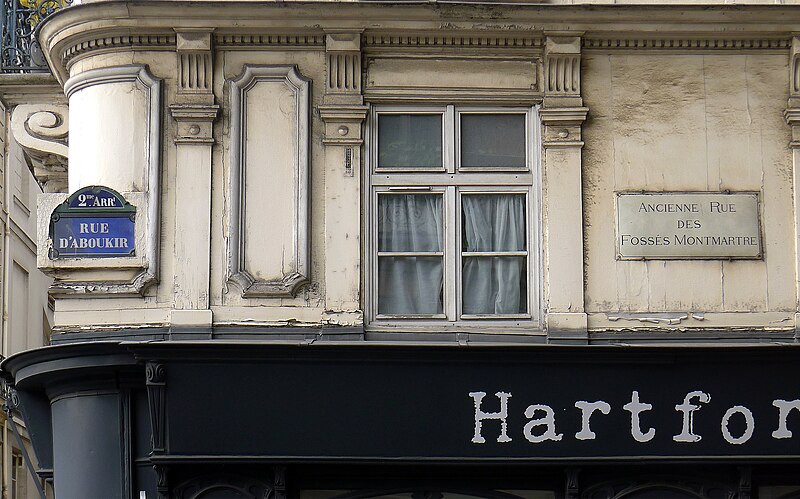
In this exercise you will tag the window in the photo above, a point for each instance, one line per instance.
(453, 217)
(17, 475)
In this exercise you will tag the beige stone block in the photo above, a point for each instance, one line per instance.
(685, 123)
(191, 318)
(264, 316)
(658, 114)
(689, 321)
(565, 325)
(90, 320)
(342, 231)
(396, 73)
(744, 287)
(563, 234)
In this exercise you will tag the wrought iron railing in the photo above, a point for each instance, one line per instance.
(19, 49)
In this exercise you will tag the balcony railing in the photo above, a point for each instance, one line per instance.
(19, 49)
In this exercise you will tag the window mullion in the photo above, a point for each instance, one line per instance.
(450, 139)
(452, 278)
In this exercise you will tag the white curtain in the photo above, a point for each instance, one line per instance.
(494, 284)
(410, 284)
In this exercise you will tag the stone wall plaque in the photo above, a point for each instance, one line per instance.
(688, 225)
(94, 221)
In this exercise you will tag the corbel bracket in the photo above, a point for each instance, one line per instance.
(42, 132)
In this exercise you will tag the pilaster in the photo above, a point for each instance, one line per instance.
(562, 116)
(792, 117)
(194, 112)
(343, 114)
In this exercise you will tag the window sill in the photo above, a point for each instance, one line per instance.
(434, 328)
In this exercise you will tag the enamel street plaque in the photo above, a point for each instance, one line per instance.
(94, 221)
(692, 225)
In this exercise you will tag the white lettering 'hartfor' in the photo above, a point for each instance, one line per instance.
(587, 409)
(543, 428)
(748, 421)
(784, 407)
(549, 420)
(501, 415)
(635, 407)
(688, 409)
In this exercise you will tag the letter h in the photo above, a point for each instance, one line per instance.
(502, 415)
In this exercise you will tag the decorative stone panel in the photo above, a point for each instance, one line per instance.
(118, 112)
(268, 228)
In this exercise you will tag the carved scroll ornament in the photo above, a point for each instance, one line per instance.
(42, 131)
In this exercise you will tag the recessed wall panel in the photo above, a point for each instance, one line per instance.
(268, 226)
(270, 173)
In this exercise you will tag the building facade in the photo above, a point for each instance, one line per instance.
(27, 313)
(418, 249)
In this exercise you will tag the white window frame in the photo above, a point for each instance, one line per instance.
(453, 183)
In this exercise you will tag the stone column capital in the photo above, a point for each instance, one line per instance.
(562, 126)
(792, 117)
(195, 122)
(343, 124)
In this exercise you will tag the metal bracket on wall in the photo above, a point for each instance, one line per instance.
(571, 487)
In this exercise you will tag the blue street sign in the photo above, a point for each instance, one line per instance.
(94, 221)
(93, 236)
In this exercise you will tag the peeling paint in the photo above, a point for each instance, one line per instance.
(343, 318)
(670, 318)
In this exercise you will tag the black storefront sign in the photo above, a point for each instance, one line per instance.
(530, 404)
(94, 221)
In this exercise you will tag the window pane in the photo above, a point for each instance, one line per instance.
(410, 222)
(493, 222)
(409, 285)
(410, 141)
(493, 140)
(494, 285)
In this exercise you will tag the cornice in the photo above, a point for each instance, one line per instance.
(117, 24)
(678, 42)
(112, 42)
(261, 40)
(489, 41)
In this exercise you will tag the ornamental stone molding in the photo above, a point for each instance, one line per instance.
(562, 126)
(195, 65)
(562, 70)
(792, 112)
(42, 132)
(113, 43)
(194, 110)
(259, 263)
(343, 111)
(343, 58)
(437, 40)
(599, 42)
(794, 74)
(274, 41)
(124, 276)
(343, 124)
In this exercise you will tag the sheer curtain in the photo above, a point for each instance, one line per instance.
(493, 284)
(410, 284)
